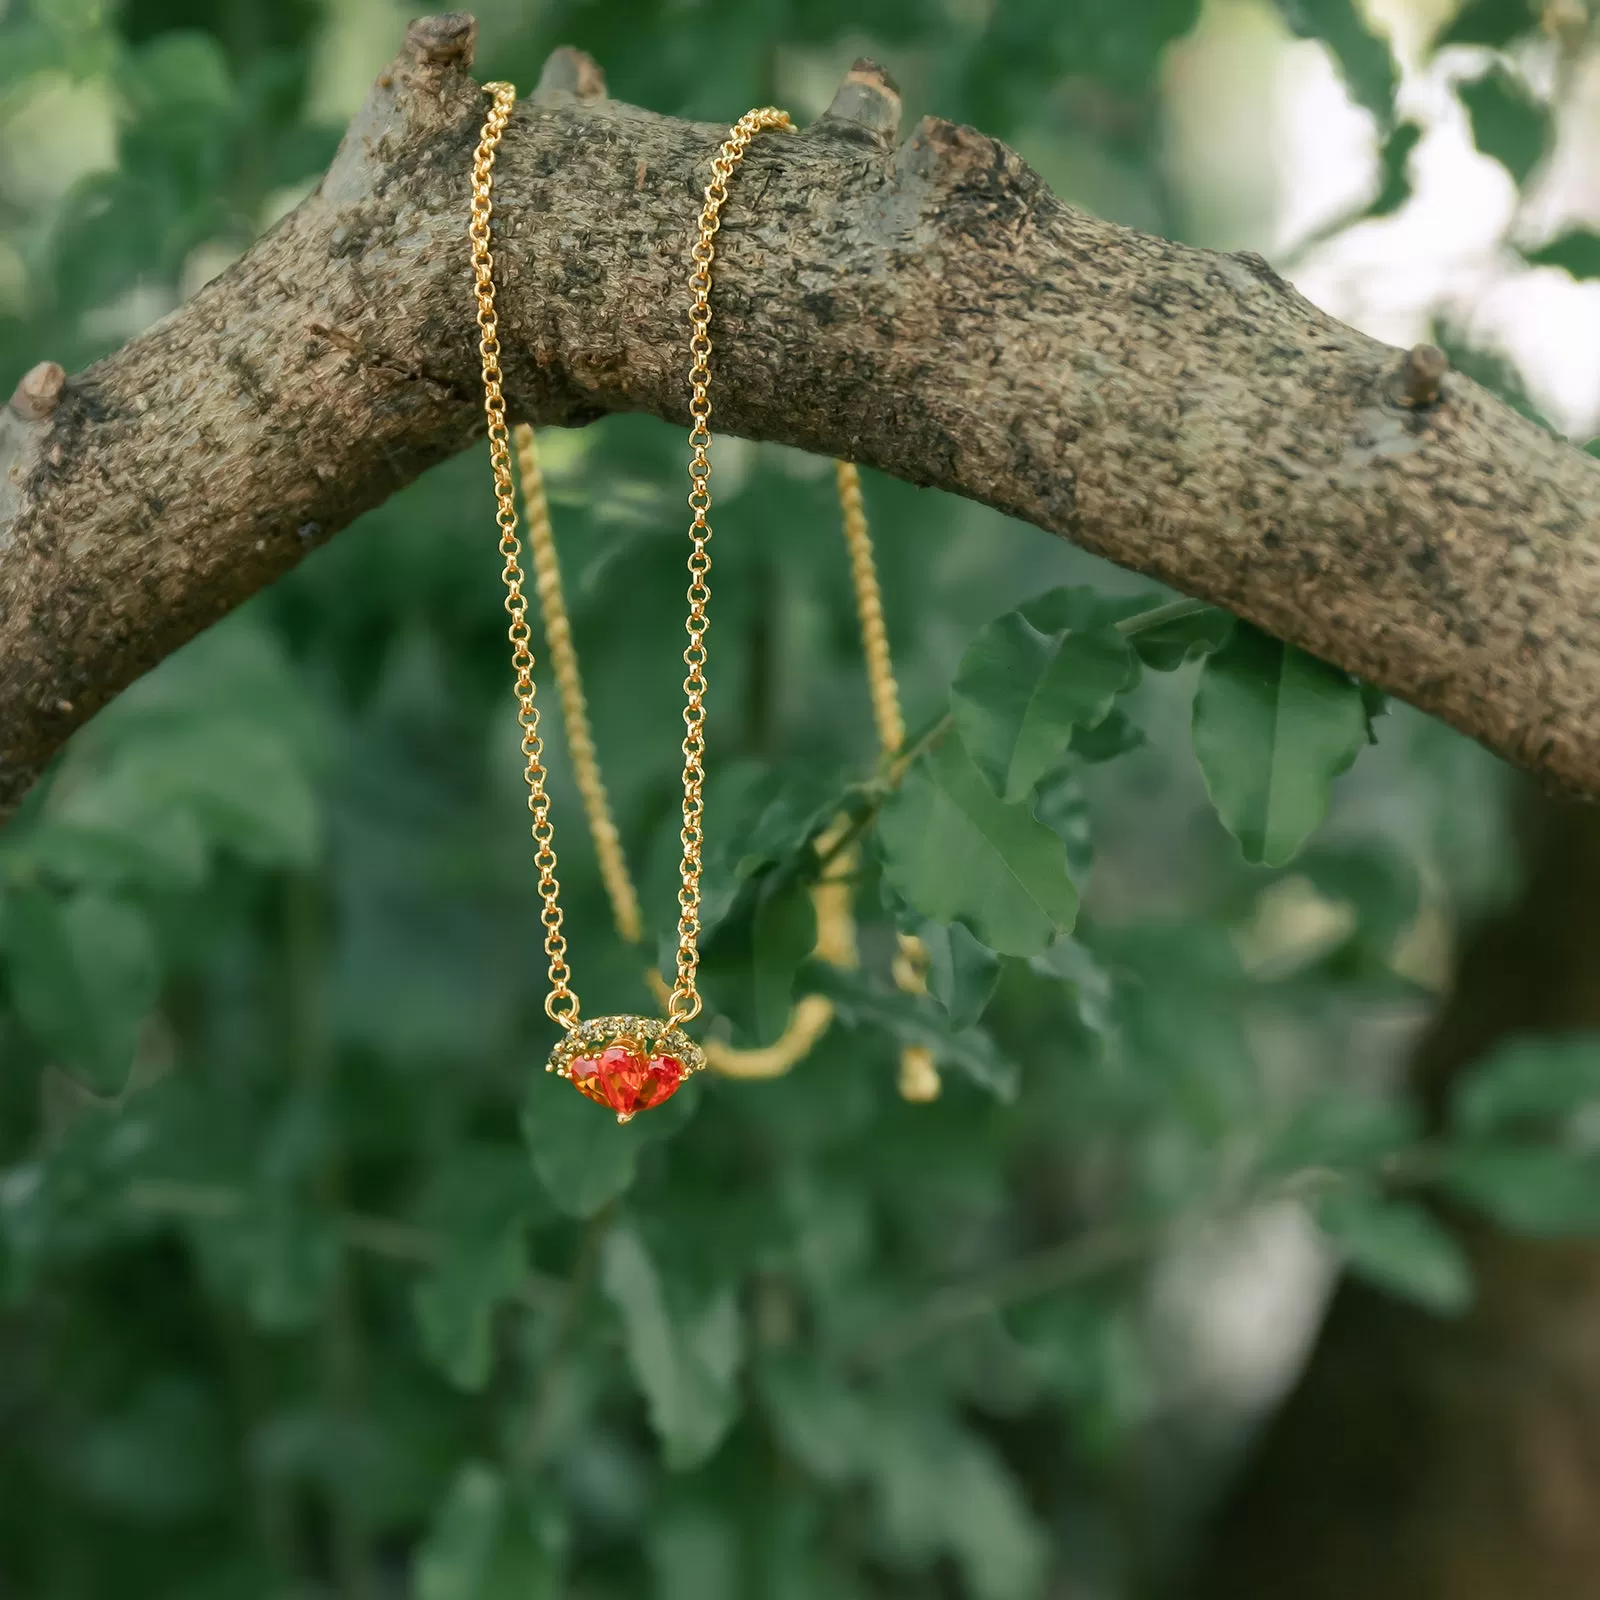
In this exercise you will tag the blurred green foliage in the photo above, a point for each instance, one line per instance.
(314, 1284)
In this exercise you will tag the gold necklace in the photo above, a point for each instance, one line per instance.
(631, 1063)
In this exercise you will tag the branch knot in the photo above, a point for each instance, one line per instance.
(39, 391)
(1421, 375)
(442, 42)
(570, 72)
(866, 107)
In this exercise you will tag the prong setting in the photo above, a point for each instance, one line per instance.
(652, 1034)
(629, 1064)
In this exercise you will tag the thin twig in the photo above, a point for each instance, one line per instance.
(384, 1237)
(893, 769)
(1160, 616)
(1009, 1284)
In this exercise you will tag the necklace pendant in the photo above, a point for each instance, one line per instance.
(627, 1064)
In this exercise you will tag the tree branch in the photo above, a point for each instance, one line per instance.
(932, 310)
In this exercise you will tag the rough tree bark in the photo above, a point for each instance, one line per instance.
(1427, 1458)
(931, 310)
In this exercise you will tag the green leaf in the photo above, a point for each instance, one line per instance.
(1343, 1130)
(766, 816)
(1377, 886)
(749, 966)
(1027, 45)
(1074, 964)
(487, 1543)
(962, 974)
(69, 1199)
(246, 1184)
(1076, 608)
(1364, 60)
(158, 1458)
(686, 1363)
(178, 68)
(182, 778)
(1399, 1247)
(1165, 646)
(1394, 165)
(460, 1545)
(1094, 1353)
(1019, 694)
(31, 51)
(1373, 877)
(940, 1489)
(1494, 23)
(1534, 1080)
(785, 933)
(1063, 807)
(105, 858)
(1577, 251)
(698, 1548)
(477, 1189)
(83, 976)
(1114, 735)
(914, 1019)
(1539, 1189)
(1507, 123)
(957, 854)
(274, 1255)
(580, 1153)
(1273, 727)
(456, 1302)
(826, 1426)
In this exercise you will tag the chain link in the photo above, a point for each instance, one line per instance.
(919, 1074)
(684, 1004)
(620, 891)
(885, 692)
(561, 1004)
(919, 1078)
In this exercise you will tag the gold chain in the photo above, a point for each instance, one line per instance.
(881, 686)
(620, 891)
(836, 943)
(812, 1014)
(685, 1002)
(562, 1003)
(919, 1076)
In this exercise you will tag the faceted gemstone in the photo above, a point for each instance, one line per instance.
(625, 1079)
(666, 1073)
(585, 1075)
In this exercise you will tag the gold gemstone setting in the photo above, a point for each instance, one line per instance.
(626, 1063)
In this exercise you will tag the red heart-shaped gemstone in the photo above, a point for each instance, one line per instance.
(627, 1080)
